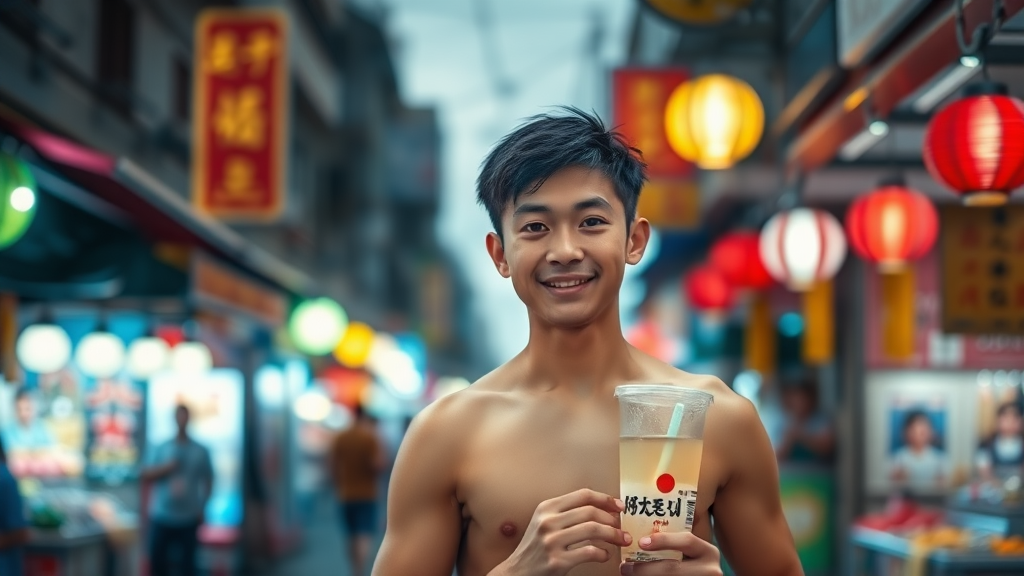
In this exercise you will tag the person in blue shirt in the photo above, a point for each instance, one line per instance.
(13, 527)
(182, 477)
(27, 432)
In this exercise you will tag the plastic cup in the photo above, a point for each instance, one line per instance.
(661, 439)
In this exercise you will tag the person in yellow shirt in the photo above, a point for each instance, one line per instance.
(356, 462)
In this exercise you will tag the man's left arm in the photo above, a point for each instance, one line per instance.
(750, 527)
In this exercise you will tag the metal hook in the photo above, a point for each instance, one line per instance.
(983, 34)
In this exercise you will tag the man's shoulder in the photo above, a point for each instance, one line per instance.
(726, 401)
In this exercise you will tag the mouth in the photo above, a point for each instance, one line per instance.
(565, 286)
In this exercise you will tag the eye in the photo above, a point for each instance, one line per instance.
(593, 221)
(533, 227)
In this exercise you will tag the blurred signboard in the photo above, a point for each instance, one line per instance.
(217, 286)
(240, 127)
(412, 157)
(982, 275)
(670, 204)
(934, 346)
(639, 96)
(867, 26)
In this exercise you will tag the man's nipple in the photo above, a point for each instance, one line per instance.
(509, 530)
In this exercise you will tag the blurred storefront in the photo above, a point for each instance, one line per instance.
(907, 332)
(137, 292)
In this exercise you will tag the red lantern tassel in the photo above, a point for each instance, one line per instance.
(898, 313)
(819, 324)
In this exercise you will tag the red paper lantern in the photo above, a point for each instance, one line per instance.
(707, 289)
(976, 145)
(892, 226)
(737, 256)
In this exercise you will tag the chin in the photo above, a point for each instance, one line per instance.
(566, 320)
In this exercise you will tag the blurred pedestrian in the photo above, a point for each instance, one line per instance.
(356, 461)
(809, 437)
(13, 527)
(182, 478)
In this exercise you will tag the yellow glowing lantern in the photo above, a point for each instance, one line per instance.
(714, 121)
(699, 12)
(354, 347)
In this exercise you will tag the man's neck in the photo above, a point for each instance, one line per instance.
(588, 359)
(181, 437)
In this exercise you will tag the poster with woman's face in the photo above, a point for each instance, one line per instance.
(920, 429)
(1000, 450)
(918, 460)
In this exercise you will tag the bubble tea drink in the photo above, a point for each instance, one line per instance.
(661, 438)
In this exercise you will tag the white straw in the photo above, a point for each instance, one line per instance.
(673, 432)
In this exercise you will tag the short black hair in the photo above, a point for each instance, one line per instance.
(22, 394)
(914, 416)
(547, 143)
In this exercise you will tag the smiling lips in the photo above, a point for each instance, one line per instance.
(566, 282)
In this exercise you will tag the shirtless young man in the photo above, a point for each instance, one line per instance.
(515, 476)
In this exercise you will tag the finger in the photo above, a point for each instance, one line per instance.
(692, 546)
(588, 497)
(591, 531)
(585, 554)
(669, 568)
(586, 514)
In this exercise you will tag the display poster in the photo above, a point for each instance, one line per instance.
(921, 431)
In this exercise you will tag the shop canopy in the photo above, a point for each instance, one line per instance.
(119, 191)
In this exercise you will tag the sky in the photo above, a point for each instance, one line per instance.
(486, 65)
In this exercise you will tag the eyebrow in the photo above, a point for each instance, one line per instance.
(588, 204)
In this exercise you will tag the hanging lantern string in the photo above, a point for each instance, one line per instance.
(983, 34)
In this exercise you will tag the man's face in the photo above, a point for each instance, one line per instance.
(181, 418)
(25, 410)
(920, 433)
(1010, 423)
(566, 247)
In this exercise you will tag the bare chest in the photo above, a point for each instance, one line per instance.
(513, 465)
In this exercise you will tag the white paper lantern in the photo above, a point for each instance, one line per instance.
(147, 356)
(43, 348)
(100, 355)
(191, 358)
(802, 246)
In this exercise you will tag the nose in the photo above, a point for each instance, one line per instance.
(565, 248)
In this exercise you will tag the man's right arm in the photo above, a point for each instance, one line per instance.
(424, 520)
(152, 470)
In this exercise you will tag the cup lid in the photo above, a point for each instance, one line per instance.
(692, 394)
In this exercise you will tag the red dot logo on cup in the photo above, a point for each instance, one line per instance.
(666, 483)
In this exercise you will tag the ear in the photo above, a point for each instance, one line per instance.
(497, 252)
(639, 235)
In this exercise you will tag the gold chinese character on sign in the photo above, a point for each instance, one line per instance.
(259, 49)
(221, 58)
(239, 118)
(239, 181)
